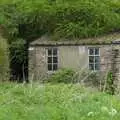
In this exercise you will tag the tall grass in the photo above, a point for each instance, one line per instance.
(56, 102)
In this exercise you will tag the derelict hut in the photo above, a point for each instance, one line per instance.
(97, 54)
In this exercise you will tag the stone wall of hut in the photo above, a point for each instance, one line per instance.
(74, 57)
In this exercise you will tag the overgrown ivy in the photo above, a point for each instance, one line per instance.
(110, 88)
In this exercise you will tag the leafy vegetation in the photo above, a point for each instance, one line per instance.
(28, 19)
(63, 76)
(80, 18)
(4, 60)
(110, 87)
(56, 102)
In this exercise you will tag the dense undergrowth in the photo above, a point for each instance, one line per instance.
(56, 102)
(4, 60)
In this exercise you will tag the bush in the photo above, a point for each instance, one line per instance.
(90, 78)
(86, 77)
(4, 60)
(110, 88)
(62, 76)
(18, 59)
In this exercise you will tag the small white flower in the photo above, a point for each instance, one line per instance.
(90, 114)
(113, 112)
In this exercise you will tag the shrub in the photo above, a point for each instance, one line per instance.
(94, 78)
(4, 60)
(86, 77)
(109, 83)
(18, 59)
(62, 76)
(90, 77)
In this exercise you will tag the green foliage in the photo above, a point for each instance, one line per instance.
(94, 78)
(56, 102)
(61, 18)
(90, 78)
(30, 19)
(110, 88)
(18, 58)
(62, 76)
(18, 51)
(4, 60)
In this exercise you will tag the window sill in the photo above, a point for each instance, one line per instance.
(50, 72)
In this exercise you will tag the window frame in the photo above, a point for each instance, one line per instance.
(52, 56)
(94, 56)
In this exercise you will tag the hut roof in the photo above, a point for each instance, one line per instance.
(113, 38)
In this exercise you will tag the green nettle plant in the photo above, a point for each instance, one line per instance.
(63, 76)
(110, 88)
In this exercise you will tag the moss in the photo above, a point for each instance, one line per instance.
(105, 39)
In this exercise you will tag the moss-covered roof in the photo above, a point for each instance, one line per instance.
(106, 39)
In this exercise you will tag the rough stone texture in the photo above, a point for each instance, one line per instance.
(116, 66)
(41, 63)
(31, 63)
(37, 63)
(106, 58)
(75, 57)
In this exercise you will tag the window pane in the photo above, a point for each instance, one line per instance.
(49, 52)
(91, 51)
(49, 67)
(97, 66)
(91, 66)
(91, 59)
(55, 67)
(49, 59)
(55, 51)
(97, 59)
(55, 60)
(96, 51)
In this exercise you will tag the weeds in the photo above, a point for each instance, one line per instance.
(56, 102)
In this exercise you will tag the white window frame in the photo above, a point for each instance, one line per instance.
(52, 56)
(98, 55)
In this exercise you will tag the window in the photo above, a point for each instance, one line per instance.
(94, 59)
(52, 59)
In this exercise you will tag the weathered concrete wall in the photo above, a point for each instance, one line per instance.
(75, 57)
